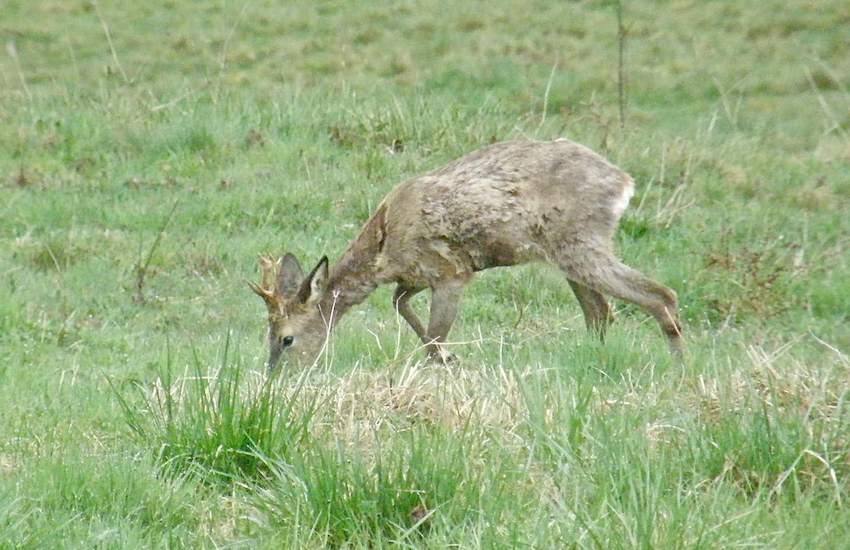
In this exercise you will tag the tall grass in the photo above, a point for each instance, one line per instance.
(486, 457)
(218, 421)
(415, 485)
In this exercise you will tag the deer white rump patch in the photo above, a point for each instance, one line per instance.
(622, 201)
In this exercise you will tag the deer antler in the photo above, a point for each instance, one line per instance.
(268, 275)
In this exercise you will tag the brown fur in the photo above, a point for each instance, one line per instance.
(506, 204)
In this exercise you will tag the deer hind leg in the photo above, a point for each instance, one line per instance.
(401, 300)
(600, 270)
(597, 312)
(444, 301)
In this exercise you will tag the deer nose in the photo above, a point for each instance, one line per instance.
(274, 359)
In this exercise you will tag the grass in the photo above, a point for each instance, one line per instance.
(147, 422)
(214, 424)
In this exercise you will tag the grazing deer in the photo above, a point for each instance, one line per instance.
(506, 204)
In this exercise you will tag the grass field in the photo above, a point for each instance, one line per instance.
(150, 150)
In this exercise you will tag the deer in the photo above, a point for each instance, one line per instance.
(506, 204)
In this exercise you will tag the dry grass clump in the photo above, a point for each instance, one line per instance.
(448, 397)
(776, 424)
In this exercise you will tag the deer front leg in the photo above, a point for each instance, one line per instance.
(401, 299)
(444, 299)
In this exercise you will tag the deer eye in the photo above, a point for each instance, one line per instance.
(287, 341)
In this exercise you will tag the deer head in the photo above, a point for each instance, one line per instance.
(297, 329)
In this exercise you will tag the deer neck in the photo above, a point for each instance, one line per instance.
(355, 276)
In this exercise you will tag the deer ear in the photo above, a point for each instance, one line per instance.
(314, 286)
(289, 275)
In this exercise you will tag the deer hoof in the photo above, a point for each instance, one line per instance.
(442, 358)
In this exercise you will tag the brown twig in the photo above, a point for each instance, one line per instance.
(142, 268)
(621, 65)
(109, 41)
(12, 50)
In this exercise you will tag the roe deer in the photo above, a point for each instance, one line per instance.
(507, 204)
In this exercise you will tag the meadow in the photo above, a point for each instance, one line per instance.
(150, 150)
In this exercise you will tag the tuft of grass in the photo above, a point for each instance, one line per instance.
(778, 432)
(421, 485)
(217, 424)
(57, 253)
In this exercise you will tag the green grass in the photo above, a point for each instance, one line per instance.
(216, 424)
(145, 421)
